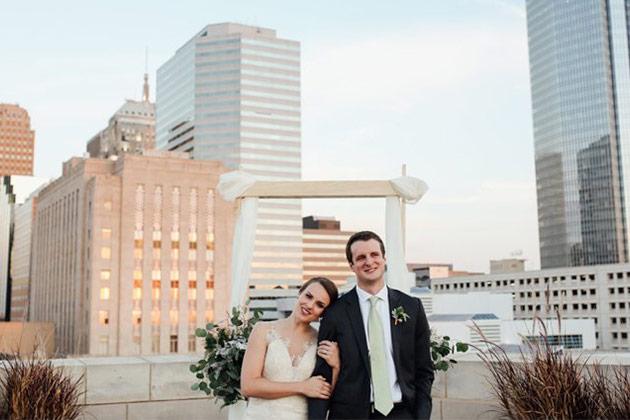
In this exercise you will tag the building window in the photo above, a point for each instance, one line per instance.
(106, 275)
(106, 233)
(137, 316)
(104, 293)
(103, 344)
(107, 205)
(173, 346)
(155, 344)
(103, 317)
(106, 253)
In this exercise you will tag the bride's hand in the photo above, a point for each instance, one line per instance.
(329, 351)
(316, 387)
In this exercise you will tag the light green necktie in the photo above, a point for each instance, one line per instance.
(378, 364)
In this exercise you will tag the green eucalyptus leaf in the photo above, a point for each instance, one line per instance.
(441, 365)
(461, 347)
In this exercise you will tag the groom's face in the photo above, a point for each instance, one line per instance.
(368, 262)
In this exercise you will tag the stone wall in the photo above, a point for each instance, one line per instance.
(158, 387)
(148, 387)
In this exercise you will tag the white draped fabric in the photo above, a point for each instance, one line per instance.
(410, 190)
(231, 186)
(234, 184)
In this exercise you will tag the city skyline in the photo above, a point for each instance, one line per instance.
(456, 110)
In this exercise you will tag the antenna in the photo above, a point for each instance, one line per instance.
(145, 87)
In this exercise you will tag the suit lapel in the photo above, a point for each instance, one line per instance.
(394, 302)
(356, 321)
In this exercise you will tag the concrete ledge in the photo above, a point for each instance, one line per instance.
(468, 381)
(115, 380)
(105, 412)
(171, 378)
(204, 409)
(439, 385)
(468, 409)
(158, 387)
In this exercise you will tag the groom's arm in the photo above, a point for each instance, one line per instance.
(424, 366)
(318, 408)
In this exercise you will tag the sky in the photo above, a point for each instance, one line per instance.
(439, 85)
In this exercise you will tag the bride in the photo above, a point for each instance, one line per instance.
(280, 357)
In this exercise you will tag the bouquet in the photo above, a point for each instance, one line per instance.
(219, 372)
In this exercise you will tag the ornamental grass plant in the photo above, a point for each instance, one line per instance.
(33, 389)
(547, 382)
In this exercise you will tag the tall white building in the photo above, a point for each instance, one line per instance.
(232, 93)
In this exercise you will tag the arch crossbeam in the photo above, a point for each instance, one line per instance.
(247, 190)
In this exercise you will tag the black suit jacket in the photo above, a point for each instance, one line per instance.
(411, 347)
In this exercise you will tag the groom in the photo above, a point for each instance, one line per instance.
(383, 338)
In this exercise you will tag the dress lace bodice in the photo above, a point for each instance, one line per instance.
(280, 366)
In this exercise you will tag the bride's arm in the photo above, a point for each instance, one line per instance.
(253, 384)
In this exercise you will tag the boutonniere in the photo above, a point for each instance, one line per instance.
(399, 315)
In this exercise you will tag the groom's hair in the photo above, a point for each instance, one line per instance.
(365, 235)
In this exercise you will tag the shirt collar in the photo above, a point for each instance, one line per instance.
(364, 296)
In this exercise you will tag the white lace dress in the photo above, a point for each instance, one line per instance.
(280, 367)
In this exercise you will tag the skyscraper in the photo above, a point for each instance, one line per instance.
(17, 141)
(232, 93)
(580, 81)
(130, 130)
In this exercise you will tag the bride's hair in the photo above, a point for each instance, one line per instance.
(327, 284)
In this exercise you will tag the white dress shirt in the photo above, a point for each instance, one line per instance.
(382, 307)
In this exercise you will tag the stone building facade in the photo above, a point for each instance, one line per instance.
(130, 255)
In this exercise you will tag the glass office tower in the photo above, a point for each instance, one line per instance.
(232, 93)
(580, 81)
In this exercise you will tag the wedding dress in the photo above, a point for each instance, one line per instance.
(279, 366)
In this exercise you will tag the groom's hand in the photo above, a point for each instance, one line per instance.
(316, 387)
